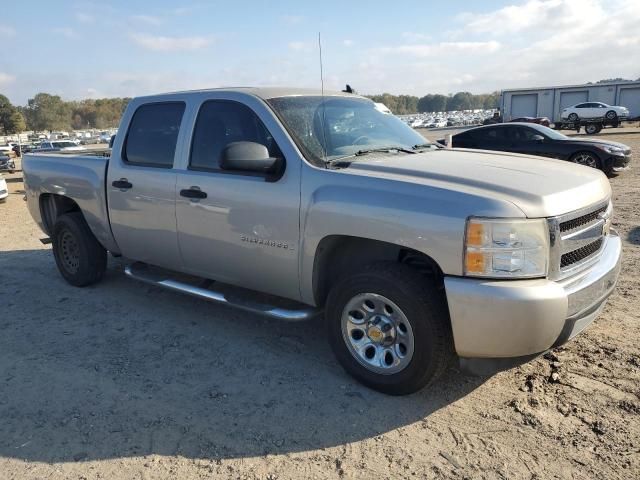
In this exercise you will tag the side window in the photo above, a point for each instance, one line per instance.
(494, 135)
(221, 122)
(581, 105)
(153, 135)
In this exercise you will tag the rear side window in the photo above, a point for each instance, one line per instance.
(153, 135)
(221, 122)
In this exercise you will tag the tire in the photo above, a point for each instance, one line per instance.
(591, 129)
(79, 256)
(611, 115)
(587, 159)
(417, 312)
(573, 117)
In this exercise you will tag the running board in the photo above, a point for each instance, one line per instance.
(141, 272)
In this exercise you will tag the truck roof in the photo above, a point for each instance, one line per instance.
(262, 92)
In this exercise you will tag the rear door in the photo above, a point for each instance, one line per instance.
(244, 228)
(491, 138)
(141, 184)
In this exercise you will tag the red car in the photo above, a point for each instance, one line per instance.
(539, 120)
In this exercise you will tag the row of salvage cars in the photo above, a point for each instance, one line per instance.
(534, 139)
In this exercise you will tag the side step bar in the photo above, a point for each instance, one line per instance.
(139, 271)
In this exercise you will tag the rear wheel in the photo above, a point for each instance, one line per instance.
(79, 256)
(587, 159)
(389, 328)
(573, 117)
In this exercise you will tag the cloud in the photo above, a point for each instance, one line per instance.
(444, 48)
(292, 19)
(170, 44)
(84, 17)
(548, 15)
(6, 31)
(6, 79)
(147, 19)
(65, 32)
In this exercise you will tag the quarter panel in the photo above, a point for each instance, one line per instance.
(81, 178)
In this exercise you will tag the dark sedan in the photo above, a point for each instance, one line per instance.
(532, 139)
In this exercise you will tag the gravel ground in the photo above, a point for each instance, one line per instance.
(123, 380)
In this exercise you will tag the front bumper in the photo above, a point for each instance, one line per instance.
(518, 318)
(618, 163)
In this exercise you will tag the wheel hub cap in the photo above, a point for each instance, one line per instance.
(377, 333)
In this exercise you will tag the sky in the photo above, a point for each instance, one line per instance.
(79, 49)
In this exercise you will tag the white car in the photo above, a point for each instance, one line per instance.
(594, 110)
(4, 191)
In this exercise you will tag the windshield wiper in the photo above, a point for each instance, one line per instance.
(347, 159)
(384, 149)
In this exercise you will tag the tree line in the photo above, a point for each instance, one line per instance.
(51, 112)
(406, 104)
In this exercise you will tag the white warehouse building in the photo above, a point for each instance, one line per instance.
(549, 101)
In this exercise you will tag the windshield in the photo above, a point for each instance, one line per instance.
(63, 144)
(341, 126)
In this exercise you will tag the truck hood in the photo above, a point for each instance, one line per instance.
(540, 187)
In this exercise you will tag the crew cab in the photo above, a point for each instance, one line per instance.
(308, 205)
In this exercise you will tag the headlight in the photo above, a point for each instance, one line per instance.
(506, 248)
(611, 149)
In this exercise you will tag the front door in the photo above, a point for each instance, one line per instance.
(141, 185)
(241, 228)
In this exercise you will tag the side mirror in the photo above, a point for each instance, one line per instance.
(111, 140)
(537, 138)
(248, 157)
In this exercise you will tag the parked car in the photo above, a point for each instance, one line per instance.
(23, 148)
(413, 252)
(59, 146)
(532, 139)
(539, 120)
(594, 110)
(4, 190)
(7, 164)
(5, 148)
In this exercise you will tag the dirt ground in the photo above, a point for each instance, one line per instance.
(123, 380)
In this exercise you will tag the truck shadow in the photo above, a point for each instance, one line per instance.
(123, 369)
(634, 236)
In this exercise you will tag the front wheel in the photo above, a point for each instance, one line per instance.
(611, 115)
(573, 117)
(79, 256)
(389, 328)
(587, 159)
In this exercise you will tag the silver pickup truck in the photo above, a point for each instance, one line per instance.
(292, 203)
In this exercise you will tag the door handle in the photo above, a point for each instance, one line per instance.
(193, 193)
(122, 184)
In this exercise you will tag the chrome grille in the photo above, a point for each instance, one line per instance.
(577, 238)
(583, 220)
(580, 254)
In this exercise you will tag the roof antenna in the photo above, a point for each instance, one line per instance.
(324, 135)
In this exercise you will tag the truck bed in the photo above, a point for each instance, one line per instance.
(77, 177)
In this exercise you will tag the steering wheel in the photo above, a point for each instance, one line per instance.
(357, 141)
